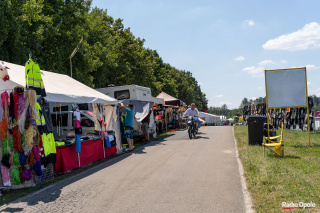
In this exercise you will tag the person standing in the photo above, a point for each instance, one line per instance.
(128, 123)
(145, 126)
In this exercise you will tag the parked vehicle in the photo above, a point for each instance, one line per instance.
(134, 93)
(64, 122)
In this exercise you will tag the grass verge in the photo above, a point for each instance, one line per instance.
(273, 180)
(14, 194)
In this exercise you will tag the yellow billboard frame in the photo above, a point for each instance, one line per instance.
(307, 104)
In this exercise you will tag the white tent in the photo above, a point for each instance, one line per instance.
(209, 118)
(59, 87)
(166, 97)
(169, 100)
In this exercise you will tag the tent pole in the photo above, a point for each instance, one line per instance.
(79, 159)
(102, 138)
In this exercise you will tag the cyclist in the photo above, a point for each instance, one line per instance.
(192, 112)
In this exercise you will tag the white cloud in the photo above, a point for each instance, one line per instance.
(253, 98)
(313, 90)
(308, 83)
(265, 62)
(219, 96)
(305, 38)
(312, 67)
(284, 61)
(240, 58)
(259, 88)
(254, 71)
(249, 22)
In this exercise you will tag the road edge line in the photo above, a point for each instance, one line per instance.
(246, 193)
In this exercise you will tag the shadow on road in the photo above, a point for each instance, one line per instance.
(13, 209)
(200, 137)
(53, 192)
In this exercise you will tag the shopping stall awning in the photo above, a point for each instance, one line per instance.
(59, 87)
(169, 100)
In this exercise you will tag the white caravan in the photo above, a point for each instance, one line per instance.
(136, 93)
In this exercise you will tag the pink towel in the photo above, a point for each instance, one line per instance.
(5, 176)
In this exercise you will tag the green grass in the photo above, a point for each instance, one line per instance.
(13, 194)
(273, 180)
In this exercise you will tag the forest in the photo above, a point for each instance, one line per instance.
(108, 53)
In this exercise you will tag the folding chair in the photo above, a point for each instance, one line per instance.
(276, 142)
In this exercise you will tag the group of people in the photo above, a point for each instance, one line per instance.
(129, 125)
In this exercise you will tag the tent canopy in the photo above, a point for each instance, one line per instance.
(59, 87)
(169, 100)
(209, 118)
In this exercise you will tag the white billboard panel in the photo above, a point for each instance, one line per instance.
(286, 88)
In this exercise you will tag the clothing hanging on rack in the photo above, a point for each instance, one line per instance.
(34, 78)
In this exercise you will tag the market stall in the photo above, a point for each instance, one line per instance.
(67, 158)
(26, 134)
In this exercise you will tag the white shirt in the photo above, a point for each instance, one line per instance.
(76, 114)
(191, 112)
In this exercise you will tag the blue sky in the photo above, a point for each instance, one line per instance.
(227, 45)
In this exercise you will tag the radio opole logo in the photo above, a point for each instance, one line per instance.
(300, 205)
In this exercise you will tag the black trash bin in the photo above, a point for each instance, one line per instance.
(255, 129)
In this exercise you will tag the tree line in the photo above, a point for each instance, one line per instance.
(108, 54)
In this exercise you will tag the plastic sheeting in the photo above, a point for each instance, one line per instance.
(59, 87)
(141, 108)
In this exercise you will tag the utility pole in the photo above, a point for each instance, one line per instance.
(73, 53)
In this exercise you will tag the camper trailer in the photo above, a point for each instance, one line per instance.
(133, 93)
(128, 92)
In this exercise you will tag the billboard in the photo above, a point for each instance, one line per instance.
(286, 88)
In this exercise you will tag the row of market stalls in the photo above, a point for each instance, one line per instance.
(28, 160)
(75, 125)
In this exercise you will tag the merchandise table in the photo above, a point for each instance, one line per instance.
(91, 151)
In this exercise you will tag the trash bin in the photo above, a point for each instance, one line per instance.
(255, 129)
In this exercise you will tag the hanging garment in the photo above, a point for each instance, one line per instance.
(49, 147)
(22, 179)
(78, 143)
(11, 106)
(5, 104)
(41, 123)
(33, 78)
(27, 173)
(5, 176)
(36, 152)
(16, 176)
(37, 168)
(44, 104)
(1, 110)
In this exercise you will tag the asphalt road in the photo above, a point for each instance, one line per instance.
(174, 174)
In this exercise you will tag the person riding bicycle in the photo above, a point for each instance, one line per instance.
(192, 112)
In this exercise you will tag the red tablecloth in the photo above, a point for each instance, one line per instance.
(91, 151)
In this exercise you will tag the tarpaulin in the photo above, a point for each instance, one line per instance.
(91, 151)
(141, 108)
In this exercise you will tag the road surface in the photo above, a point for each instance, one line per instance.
(174, 174)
